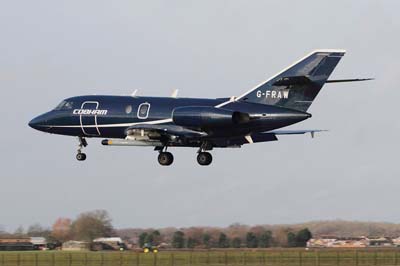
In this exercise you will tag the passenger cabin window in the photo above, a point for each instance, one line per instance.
(128, 109)
(65, 105)
(143, 110)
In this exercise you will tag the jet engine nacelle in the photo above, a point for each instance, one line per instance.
(207, 117)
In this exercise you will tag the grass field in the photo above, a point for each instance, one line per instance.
(281, 257)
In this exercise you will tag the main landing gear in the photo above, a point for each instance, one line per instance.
(204, 158)
(166, 158)
(82, 143)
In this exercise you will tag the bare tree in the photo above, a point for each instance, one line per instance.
(62, 229)
(91, 225)
(20, 232)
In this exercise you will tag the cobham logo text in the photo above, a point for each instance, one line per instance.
(89, 112)
(273, 94)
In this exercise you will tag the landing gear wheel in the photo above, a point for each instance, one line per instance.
(204, 158)
(165, 158)
(81, 156)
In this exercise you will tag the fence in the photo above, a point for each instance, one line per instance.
(212, 258)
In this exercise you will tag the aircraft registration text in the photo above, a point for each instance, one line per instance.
(281, 94)
(89, 112)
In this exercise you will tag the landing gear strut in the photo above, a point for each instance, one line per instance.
(165, 158)
(82, 143)
(203, 157)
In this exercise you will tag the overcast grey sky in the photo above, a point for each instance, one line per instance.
(50, 50)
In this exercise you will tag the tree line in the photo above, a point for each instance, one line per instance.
(89, 225)
(94, 224)
(252, 239)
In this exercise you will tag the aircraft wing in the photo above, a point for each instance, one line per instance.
(270, 136)
(296, 132)
(155, 135)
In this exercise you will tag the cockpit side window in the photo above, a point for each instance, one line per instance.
(65, 105)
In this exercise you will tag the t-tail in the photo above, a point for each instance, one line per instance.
(296, 86)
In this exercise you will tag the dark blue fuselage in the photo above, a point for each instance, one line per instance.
(110, 116)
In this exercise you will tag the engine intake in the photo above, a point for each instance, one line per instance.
(207, 117)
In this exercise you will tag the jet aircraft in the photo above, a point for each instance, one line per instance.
(162, 122)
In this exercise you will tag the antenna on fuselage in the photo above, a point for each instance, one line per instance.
(175, 93)
(134, 93)
(249, 139)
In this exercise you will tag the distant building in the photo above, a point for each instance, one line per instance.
(338, 242)
(14, 244)
(108, 243)
(396, 242)
(24, 243)
(75, 245)
(108, 239)
(320, 242)
(39, 242)
(381, 242)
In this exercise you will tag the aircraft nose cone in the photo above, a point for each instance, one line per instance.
(34, 123)
(38, 122)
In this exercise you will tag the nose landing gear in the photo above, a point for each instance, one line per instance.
(81, 156)
(82, 143)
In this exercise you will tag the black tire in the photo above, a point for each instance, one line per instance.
(81, 156)
(165, 158)
(204, 158)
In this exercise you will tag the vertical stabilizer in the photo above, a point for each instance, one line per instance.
(296, 86)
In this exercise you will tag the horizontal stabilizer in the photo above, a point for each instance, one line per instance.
(295, 132)
(347, 80)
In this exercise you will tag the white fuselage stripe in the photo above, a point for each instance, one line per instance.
(154, 122)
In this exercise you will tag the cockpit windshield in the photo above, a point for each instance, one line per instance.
(65, 105)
